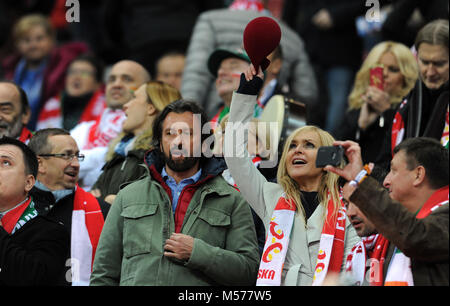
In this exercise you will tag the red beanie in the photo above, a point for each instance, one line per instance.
(261, 36)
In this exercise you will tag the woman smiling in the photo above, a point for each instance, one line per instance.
(308, 235)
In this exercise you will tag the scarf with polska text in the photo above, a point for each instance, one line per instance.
(16, 218)
(331, 247)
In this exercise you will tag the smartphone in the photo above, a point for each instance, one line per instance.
(332, 155)
(376, 77)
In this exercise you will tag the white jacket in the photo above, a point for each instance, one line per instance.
(301, 257)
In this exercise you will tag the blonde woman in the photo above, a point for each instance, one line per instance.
(308, 235)
(126, 152)
(371, 109)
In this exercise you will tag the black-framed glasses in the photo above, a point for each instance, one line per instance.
(65, 156)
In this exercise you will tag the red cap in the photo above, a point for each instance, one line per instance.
(261, 36)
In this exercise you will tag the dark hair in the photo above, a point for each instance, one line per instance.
(170, 53)
(179, 107)
(433, 33)
(39, 142)
(430, 154)
(25, 106)
(29, 158)
(94, 61)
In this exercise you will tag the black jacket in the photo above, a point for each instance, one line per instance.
(35, 254)
(119, 170)
(60, 212)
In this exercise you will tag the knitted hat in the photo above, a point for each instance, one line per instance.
(261, 36)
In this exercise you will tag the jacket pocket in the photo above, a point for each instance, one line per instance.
(138, 225)
(212, 226)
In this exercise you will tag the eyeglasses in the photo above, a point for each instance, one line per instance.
(65, 156)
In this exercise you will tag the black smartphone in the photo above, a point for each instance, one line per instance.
(332, 155)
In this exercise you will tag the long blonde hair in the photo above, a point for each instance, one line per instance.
(328, 182)
(160, 95)
(406, 62)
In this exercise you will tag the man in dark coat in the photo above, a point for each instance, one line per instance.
(60, 198)
(412, 214)
(32, 248)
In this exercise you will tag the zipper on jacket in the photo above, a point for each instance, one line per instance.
(123, 164)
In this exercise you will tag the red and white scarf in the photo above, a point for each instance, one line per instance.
(374, 248)
(398, 129)
(51, 116)
(247, 5)
(25, 135)
(87, 224)
(99, 133)
(331, 248)
(444, 138)
(15, 218)
(399, 272)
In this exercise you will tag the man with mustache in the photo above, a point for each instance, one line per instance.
(183, 224)
(14, 112)
(93, 137)
(60, 198)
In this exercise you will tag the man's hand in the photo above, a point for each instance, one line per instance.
(179, 246)
(355, 163)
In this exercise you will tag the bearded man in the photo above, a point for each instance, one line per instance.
(183, 224)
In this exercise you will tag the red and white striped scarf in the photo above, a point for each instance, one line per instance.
(87, 224)
(331, 248)
(25, 135)
(51, 115)
(107, 127)
(247, 5)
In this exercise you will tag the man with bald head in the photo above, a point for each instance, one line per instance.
(93, 137)
(14, 112)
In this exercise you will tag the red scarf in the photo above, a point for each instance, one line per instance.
(331, 248)
(93, 215)
(51, 115)
(247, 5)
(10, 219)
(107, 127)
(25, 135)
(87, 225)
(378, 254)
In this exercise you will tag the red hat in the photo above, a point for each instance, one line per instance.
(261, 36)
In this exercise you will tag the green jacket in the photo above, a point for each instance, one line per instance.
(130, 250)
(120, 169)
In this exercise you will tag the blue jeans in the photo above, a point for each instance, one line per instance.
(338, 81)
